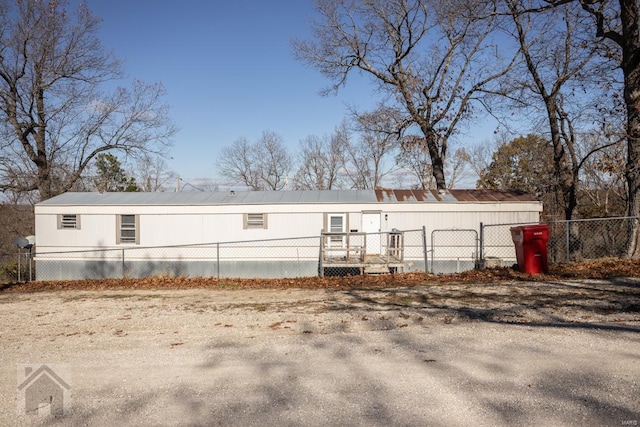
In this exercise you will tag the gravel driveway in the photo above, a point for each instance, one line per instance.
(508, 354)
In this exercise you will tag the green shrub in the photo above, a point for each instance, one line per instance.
(9, 269)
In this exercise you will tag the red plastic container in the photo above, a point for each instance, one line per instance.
(531, 247)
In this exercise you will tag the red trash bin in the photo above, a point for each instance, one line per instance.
(531, 247)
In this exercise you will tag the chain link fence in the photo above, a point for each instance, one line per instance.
(275, 258)
(346, 253)
(454, 250)
(16, 267)
(569, 241)
(582, 239)
(435, 251)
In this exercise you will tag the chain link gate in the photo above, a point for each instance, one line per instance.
(454, 250)
(496, 244)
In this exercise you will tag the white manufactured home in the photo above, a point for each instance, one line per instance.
(257, 233)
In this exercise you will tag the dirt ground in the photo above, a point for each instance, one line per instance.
(548, 351)
(586, 301)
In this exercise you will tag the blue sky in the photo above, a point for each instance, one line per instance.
(228, 71)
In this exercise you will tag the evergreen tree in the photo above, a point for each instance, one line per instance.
(110, 176)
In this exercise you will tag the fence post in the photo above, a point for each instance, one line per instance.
(123, 267)
(424, 249)
(568, 241)
(19, 267)
(27, 257)
(481, 244)
(321, 257)
(218, 260)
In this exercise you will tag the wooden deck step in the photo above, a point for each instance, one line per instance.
(376, 269)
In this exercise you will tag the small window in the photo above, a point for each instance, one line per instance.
(128, 232)
(337, 225)
(255, 220)
(69, 221)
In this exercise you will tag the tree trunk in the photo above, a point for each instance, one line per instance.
(567, 181)
(631, 69)
(566, 175)
(632, 172)
(436, 154)
(438, 173)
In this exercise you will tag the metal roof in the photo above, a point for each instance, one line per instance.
(453, 196)
(287, 197)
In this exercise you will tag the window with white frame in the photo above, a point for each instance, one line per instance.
(127, 229)
(68, 222)
(337, 225)
(255, 220)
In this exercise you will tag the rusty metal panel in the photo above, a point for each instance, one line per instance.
(407, 196)
(385, 195)
(482, 195)
(464, 196)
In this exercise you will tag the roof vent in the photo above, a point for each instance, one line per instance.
(232, 193)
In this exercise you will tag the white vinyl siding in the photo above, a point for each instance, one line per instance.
(69, 222)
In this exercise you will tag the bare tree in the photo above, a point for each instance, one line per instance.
(274, 161)
(263, 165)
(369, 155)
(432, 58)
(561, 60)
(207, 184)
(458, 167)
(414, 157)
(603, 179)
(17, 221)
(478, 157)
(622, 27)
(55, 120)
(322, 160)
(152, 173)
(616, 23)
(238, 164)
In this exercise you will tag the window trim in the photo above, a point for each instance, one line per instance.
(119, 229)
(254, 225)
(337, 240)
(61, 222)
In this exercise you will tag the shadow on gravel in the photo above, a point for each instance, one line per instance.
(459, 376)
(585, 305)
